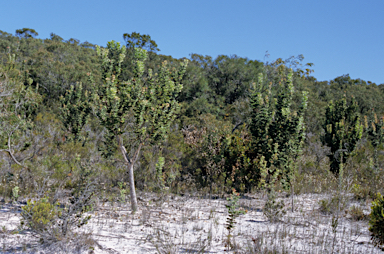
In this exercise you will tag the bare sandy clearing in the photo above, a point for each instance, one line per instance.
(175, 224)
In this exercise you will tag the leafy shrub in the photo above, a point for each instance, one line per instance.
(40, 217)
(376, 221)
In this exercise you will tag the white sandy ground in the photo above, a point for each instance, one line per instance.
(187, 224)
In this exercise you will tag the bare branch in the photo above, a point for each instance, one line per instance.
(9, 151)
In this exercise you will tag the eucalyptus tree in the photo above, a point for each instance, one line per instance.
(26, 33)
(143, 41)
(149, 98)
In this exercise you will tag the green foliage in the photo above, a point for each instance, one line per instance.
(138, 40)
(52, 63)
(52, 221)
(277, 130)
(367, 94)
(18, 102)
(148, 110)
(27, 33)
(376, 221)
(149, 100)
(245, 161)
(40, 215)
(158, 108)
(123, 191)
(75, 111)
(233, 210)
(55, 37)
(233, 213)
(241, 172)
(360, 192)
(211, 85)
(159, 171)
(177, 161)
(342, 131)
(15, 193)
(209, 144)
(374, 128)
(231, 77)
(112, 100)
(152, 99)
(212, 160)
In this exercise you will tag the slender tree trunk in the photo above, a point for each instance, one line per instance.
(293, 193)
(130, 163)
(132, 188)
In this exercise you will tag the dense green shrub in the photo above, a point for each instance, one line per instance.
(342, 131)
(376, 221)
(208, 144)
(241, 172)
(278, 130)
(40, 217)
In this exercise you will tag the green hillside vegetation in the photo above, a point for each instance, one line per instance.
(112, 120)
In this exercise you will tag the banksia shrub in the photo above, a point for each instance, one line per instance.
(376, 221)
(278, 131)
(343, 131)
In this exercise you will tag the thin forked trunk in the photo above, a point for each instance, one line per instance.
(132, 188)
(130, 163)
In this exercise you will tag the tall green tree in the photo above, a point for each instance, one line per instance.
(150, 99)
(342, 131)
(26, 33)
(143, 41)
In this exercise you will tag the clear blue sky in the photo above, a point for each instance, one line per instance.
(339, 37)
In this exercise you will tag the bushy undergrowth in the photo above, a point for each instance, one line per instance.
(376, 221)
(53, 221)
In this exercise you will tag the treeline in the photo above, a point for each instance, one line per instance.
(71, 110)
